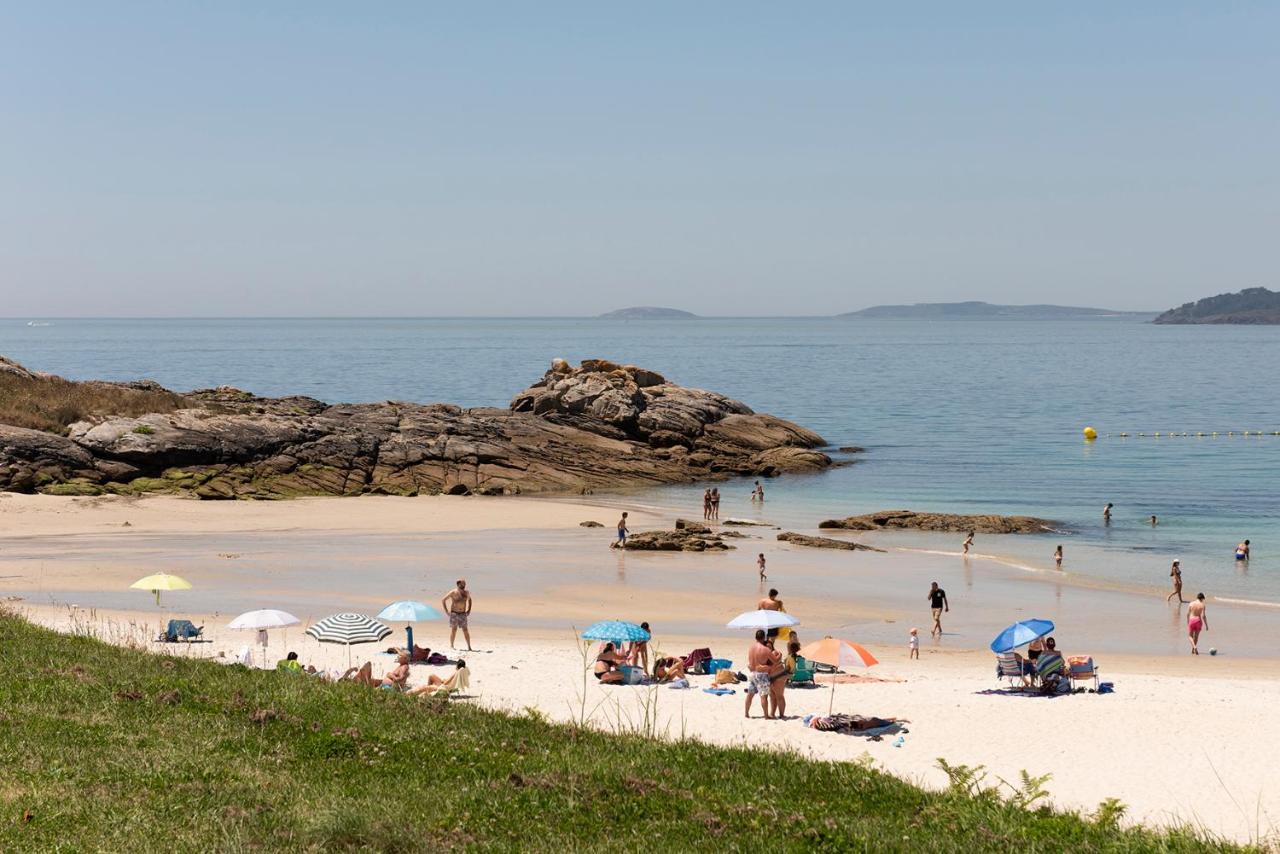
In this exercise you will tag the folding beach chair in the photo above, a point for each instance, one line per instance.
(1009, 667)
(1082, 669)
(182, 630)
(1050, 671)
(804, 673)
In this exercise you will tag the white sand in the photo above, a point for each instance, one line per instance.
(1180, 740)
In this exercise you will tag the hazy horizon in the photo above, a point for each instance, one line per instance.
(323, 160)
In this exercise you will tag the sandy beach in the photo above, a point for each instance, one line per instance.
(1179, 740)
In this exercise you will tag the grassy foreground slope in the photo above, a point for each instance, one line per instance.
(103, 748)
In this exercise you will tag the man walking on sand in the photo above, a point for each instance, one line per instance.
(938, 602)
(760, 661)
(457, 604)
(621, 542)
(1197, 621)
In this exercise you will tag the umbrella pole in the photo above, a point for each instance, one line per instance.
(832, 701)
(408, 633)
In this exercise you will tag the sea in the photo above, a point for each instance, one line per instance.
(954, 416)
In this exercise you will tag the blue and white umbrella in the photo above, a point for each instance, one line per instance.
(615, 630)
(1021, 633)
(348, 629)
(409, 611)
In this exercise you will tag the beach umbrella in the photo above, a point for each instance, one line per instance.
(409, 611)
(839, 654)
(261, 621)
(615, 630)
(348, 629)
(1021, 633)
(161, 581)
(763, 619)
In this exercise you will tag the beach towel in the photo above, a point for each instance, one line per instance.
(720, 691)
(680, 683)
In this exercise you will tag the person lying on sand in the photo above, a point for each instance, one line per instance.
(607, 664)
(668, 669)
(435, 684)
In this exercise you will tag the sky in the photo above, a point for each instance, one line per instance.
(425, 159)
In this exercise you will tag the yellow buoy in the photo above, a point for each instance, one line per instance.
(1090, 434)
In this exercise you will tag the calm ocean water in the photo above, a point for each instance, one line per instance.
(955, 416)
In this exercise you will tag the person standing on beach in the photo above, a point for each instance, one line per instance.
(715, 503)
(913, 644)
(1106, 513)
(1197, 621)
(1057, 557)
(1175, 572)
(968, 541)
(771, 602)
(706, 503)
(457, 604)
(757, 494)
(938, 603)
(621, 542)
(760, 563)
(760, 660)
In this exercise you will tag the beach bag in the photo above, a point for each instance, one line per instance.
(437, 658)
(726, 677)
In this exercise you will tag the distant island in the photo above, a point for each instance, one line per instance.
(987, 311)
(648, 312)
(1251, 306)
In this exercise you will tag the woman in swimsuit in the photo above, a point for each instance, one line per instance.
(607, 663)
(1057, 557)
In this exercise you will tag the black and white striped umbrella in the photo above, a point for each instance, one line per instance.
(348, 629)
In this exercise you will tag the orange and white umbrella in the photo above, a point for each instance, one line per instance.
(839, 654)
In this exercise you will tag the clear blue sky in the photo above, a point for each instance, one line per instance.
(315, 158)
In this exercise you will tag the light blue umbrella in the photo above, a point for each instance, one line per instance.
(409, 611)
(615, 630)
(1021, 633)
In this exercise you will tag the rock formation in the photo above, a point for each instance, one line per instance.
(949, 522)
(696, 538)
(825, 543)
(597, 426)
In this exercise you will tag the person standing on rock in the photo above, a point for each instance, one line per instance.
(457, 604)
(622, 532)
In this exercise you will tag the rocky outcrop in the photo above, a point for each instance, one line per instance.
(578, 429)
(690, 539)
(825, 543)
(950, 522)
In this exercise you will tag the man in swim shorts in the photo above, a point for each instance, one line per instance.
(760, 662)
(622, 532)
(938, 603)
(457, 604)
(1197, 621)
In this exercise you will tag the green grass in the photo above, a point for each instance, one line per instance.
(52, 403)
(104, 748)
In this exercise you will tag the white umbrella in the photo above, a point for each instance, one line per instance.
(261, 621)
(763, 619)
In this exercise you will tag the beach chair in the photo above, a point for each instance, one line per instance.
(455, 684)
(804, 673)
(1080, 668)
(1050, 671)
(182, 630)
(1009, 667)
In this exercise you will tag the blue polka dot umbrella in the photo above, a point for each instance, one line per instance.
(615, 630)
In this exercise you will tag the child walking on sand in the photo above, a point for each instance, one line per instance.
(913, 644)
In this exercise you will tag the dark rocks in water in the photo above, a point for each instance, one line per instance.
(590, 523)
(825, 543)
(746, 523)
(692, 527)
(949, 522)
(597, 426)
(851, 449)
(697, 538)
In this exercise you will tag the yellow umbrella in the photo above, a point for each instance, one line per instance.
(161, 581)
(838, 653)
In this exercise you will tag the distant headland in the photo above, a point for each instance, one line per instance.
(648, 312)
(974, 310)
(1257, 306)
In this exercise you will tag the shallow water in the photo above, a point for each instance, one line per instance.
(955, 416)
